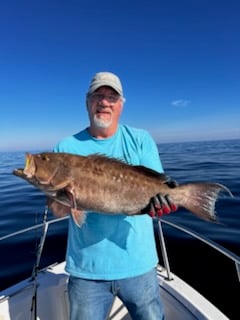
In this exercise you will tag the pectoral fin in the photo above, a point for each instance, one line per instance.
(78, 216)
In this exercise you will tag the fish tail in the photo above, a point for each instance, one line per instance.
(200, 198)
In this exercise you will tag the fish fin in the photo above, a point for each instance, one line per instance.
(79, 216)
(58, 209)
(200, 198)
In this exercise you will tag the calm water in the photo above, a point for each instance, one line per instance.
(22, 206)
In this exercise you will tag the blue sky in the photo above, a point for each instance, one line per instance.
(178, 61)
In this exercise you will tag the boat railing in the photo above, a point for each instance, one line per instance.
(36, 226)
(235, 259)
(224, 251)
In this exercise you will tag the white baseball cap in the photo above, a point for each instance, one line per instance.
(109, 79)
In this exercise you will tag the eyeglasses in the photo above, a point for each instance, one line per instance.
(99, 97)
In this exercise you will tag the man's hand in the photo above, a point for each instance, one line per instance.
(161, 205)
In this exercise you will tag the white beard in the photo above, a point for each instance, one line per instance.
(101, 123)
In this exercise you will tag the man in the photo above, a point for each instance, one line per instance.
(112, 254)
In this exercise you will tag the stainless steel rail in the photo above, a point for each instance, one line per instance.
(36, 226)
(194, 234)
(209, 242)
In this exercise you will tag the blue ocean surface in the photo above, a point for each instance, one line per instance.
(22, 205)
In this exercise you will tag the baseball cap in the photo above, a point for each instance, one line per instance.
(105, 79)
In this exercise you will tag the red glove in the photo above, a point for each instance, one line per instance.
(161, 205)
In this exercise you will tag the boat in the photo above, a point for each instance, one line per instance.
(44, 294)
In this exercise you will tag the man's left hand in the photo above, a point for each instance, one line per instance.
(161, 205)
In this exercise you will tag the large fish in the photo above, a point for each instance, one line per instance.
(102, 184)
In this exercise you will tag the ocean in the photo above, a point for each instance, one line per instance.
(21, 206)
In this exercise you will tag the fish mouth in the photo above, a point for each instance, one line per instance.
(50, 190)
(20, 173)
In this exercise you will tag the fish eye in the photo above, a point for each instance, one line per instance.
(44, 157)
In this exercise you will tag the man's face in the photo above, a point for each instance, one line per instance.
(104, 107)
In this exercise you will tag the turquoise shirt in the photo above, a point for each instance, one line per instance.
(107, 246)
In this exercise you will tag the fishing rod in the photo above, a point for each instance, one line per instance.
(37, 263)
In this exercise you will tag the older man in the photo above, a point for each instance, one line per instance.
(112, 255)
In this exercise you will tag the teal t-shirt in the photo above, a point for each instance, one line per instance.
(107, 246)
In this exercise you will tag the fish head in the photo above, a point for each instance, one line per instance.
(49, 173)
(42, 166)
(28, 171)
(43, 170)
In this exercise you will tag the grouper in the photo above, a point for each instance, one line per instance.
(107, 185)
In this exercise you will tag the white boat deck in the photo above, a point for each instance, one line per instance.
(181, 302)
(49, 287)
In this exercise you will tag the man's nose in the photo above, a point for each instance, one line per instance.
(104, 101)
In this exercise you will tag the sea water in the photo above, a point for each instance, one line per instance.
(22, 205)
